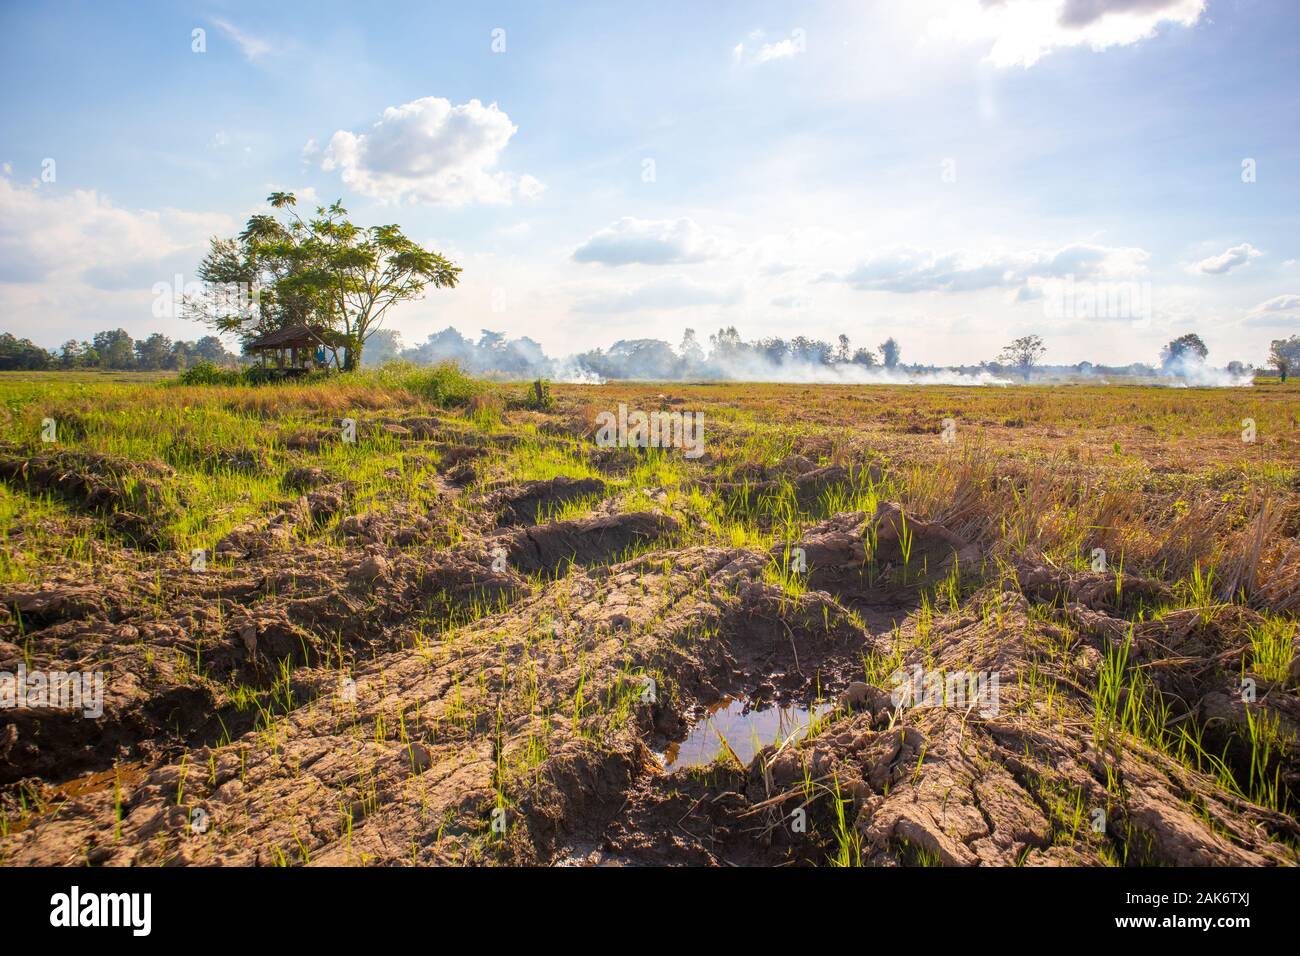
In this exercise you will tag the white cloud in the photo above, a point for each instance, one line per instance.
(530, 187)
(46, 235)
(430, 151)
(668, 292)
(1279, 303)
(251, 46)
(1228, 260)
(909, 270)
(73, 262)
(793, 45)
(781, 50)
(1021, 32)
(649, 242)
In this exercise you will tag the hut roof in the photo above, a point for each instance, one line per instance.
(293, 335)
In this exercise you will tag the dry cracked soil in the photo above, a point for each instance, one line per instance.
(343, 685)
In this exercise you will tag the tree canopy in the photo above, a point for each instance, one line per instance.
(1024, 353)
(284, 270)
(1284, 355)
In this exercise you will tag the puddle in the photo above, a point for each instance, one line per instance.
(746, 729)
(124, 775)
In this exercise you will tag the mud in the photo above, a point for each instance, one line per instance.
(530, 502)
(128, 494)
(377, 683)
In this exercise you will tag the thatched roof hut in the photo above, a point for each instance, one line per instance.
(295, 348)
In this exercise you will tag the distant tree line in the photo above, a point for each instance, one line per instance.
(494, 352)
(728, 356)
(116, 350)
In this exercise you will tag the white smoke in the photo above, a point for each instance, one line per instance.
(1190, 371)
(570, 371)
(757, 368)
(800, 361)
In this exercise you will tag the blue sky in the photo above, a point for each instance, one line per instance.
(935, 171)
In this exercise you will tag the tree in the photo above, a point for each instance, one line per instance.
(441, 346)
(325, 270)
(151, 354)
(843, 353)
(645, 359)
(22, 354)
(115, 349)
(864, 357)
(212, 349)
(890, 352)
(72, 353)
(690, 349)
(725, 343)
(1284, 355)
(367, 271)
(1184, 350)
(1023, 353)
(181, 356)
(385, 345)
(813, 351)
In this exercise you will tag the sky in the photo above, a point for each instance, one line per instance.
(1107, 174)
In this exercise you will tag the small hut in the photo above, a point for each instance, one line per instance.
(295, 349)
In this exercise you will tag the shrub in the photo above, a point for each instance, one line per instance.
(205, 373)
(537, 397)
(444, 384)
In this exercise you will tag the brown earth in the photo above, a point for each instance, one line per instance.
(403, 694)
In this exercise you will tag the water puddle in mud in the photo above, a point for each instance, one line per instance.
(744, 728)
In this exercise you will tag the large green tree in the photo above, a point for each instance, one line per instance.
(1024, 353)
(1284, 355)
(152, 353)
(890, 351)
(115, 349)
(22, 354)
(1185, 349)
(325, 270)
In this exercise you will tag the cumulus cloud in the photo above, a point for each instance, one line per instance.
(429, 151)
(71, 262)
(1228, 260)
(81, 235)
(909, 270)
(1021, 32)
(669, 292)
(1279, 310)
(649, 242)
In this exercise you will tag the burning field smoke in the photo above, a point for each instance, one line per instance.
(796, 361)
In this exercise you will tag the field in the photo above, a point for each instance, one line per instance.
(404, 617)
